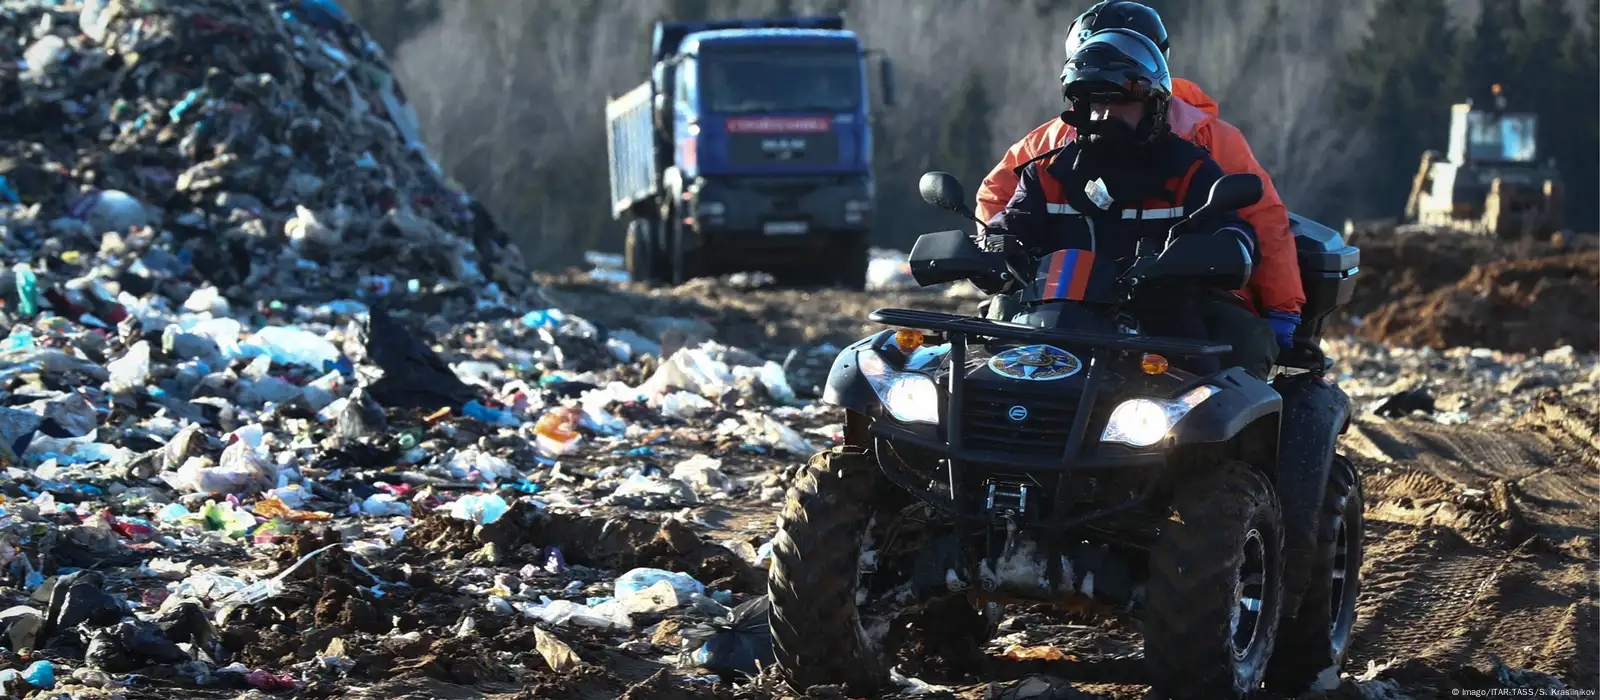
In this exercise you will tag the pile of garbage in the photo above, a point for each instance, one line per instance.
(342, 468)
(237, 453)
(262, 148)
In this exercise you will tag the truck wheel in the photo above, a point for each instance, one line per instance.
(1213, 598)
(1318, 636)
(684, 266)
(852, 270)
(641, 253)
(817, 637)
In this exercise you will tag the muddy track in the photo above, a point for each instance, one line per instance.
(1480, 547)
(1480, 542)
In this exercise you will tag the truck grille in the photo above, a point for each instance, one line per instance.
(989, 424)
(780, 149)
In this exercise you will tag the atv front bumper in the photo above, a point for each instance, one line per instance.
(1081, 461)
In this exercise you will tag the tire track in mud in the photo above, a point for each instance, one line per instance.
(1430, 594)
(1444, 581)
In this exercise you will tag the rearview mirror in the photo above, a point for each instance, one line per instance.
(1228, 193)
(943, 190)
(1235, 191)
(1220, 262)
(948, 256)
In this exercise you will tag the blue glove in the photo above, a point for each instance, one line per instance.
(1283, 325)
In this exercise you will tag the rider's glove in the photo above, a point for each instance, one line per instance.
(1283, 325)
(999, 243)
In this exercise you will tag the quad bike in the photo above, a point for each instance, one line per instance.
(1059, 456)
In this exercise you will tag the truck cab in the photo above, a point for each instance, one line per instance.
(758, 156)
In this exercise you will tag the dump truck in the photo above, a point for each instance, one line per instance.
(1490, 180)
(748, 149)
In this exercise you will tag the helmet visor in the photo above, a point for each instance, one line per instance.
(1112, 61)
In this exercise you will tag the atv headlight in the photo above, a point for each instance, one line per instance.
(1144, 422)
(908, 396)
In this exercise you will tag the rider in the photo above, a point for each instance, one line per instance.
(1128, 179)
(1275, 290)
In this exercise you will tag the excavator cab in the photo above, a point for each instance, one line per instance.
(1490, 179)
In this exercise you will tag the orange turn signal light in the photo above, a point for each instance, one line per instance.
(909, 339)
(1153, 364)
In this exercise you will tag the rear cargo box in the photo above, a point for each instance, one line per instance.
(1328, 268)
(630, 146)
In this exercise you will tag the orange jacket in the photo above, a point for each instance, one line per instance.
(1276, 284)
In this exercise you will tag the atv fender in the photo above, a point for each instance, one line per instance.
(1242, 401)
(1315, 413)
(846, 387)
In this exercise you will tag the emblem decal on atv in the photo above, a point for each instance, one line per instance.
(1034, 363)
(1018, 413)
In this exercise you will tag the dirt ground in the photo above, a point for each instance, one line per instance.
(1481, 545)
(1452, 290)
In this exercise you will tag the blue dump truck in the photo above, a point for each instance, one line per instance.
(749, 149)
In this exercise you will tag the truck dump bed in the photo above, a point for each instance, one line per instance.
(630, 146)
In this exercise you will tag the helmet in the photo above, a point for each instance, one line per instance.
(1117, 65)
(1118, 14)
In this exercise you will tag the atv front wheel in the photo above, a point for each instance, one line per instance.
(1319, 634)
(1213, 598)
(817, 636)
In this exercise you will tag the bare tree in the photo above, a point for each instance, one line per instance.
(511, 93)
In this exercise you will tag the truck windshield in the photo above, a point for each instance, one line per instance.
(1507, 138)
(773, 81)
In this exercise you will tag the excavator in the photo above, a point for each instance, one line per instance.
(1490, 181)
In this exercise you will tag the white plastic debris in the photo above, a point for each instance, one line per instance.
(478, 508)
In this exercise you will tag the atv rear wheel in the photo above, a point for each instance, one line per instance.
(817, 636)
(1319, 634)
(1213, 598)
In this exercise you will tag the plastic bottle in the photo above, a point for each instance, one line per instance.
(27, 290)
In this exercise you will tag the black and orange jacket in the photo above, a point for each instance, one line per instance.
(1052, 208)
(1193, 115)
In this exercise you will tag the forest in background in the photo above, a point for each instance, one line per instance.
(1338, 100)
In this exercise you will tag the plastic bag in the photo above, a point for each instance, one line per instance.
(385, 505)
(489, 467)
(293, 346)
(772, 378)
(641, 486)
(682, 405)
(561, 612)
(132, 370)
(639, 579)
(241, 471)
(691, 369)
(739, 643)
(768, 431)
(479, 508)
(703, 474)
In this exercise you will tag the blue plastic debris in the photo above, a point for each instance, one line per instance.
(547, 318)
(42, 674)
(739, 643)
(346, 367)
(492, 416)
(639, 579)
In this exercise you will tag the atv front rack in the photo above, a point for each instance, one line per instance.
(957, 455)
(967, 325)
